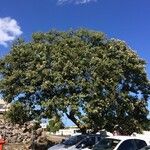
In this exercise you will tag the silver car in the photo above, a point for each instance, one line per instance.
(78, 142)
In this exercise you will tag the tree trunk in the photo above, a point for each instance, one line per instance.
(75, 121)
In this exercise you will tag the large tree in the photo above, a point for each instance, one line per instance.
(95, 81)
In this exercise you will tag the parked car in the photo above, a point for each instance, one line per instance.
(78, 142)
(121, 143)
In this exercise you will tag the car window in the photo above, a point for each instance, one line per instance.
(127, 145)
(73, 140)
(106, 144)
(91, 140)
(87, 142)
(140, 143)
(99, 138)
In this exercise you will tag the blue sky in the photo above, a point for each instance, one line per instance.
(128, 20)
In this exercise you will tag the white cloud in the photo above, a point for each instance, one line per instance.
(9, 30)
(75, 1)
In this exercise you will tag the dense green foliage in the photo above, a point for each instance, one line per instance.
(95, 81)
(17, 114)
(55, 124)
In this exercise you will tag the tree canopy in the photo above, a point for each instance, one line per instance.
(95, 81)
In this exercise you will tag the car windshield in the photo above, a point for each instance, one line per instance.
(106, 144)
(73, 140)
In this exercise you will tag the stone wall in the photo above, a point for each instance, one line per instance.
(25, 135)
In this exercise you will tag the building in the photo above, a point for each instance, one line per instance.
(3, 108)
(68, 131)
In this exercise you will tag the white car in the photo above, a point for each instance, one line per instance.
(121, 143)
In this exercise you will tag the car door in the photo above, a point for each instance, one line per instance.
(127, 145)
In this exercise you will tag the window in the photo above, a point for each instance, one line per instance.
(99, 138)
(73, 140)
(106, 144)
(140, 143)
(91, 141)
(127, 145)
(87, 142)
